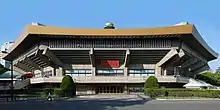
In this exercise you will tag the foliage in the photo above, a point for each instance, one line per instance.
(35, 92)
(3, 69)
(58, 92)
(151, 82)
(217, 70)
(68, 86)
(209, 77)
(169, 92)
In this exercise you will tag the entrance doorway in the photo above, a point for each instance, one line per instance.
(110, 89)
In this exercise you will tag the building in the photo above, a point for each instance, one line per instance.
(111, 60)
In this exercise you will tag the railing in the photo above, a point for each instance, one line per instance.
(92, 79)
(108, 79)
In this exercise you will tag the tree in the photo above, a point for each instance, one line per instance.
(217, 70)
(151, 82)
(68, 86)
(209, 77)
(3, 69)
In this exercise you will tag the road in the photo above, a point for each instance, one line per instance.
(113, 104)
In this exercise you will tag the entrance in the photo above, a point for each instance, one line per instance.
(110, 89)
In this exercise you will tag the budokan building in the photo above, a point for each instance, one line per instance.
(109, 60)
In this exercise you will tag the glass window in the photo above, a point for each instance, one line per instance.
(142, 71)
(75, 74)
(131, 71)
(144, 74)
(119, 71)
(88, 71)
(75, 71)
(88, 74)
(68, 71)
(151, 71)
(82, 71)
(137, 74)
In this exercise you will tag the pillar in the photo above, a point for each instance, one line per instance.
(59, 72)
(12, 77)
(93, 71)
(42, 72)
(126, 89)
(32, 71)
(54, 72)
(125, 71)
(158, 71)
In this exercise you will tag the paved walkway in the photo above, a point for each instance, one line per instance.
(105, 104)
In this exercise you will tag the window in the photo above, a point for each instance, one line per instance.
(79, 72)
(109, 72)
(141, 72)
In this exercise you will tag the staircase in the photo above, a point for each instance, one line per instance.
(17, 85)
(21, 84)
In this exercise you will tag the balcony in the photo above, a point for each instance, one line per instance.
(109, 79)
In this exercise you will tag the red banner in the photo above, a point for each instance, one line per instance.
(111, 63)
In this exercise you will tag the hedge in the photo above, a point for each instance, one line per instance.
(164, 92)
(34, 92)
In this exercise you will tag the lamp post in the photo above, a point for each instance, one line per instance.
(12, 88)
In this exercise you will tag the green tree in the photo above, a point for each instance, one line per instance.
(68, 87)
(151, 82)
(217, 70)
(3, 69)
(209, 77)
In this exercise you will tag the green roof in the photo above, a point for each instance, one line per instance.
(7, 74)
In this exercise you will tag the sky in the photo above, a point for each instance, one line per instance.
(15, 14)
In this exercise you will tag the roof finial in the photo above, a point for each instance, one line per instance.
(109, 25)
(182, 23)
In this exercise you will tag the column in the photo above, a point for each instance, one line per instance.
(54, 72)
(158, 71)
(59, 72)
(12, 87)
(164, 72)
(126, 89)
(33, 73)
(125, 71)
(93, 69)
(42, 72)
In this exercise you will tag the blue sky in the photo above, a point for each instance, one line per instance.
(15, 14)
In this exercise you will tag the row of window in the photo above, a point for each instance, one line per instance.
(136, 89)
(140, 75)
(111, 71)
(79, 74)
(106, 71)
(142, 71)
(78, 71)
(109, 74)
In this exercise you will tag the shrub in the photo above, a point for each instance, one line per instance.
(151, 82)
(181, 92)
(209, 77)
(68, 86)
(58, 92)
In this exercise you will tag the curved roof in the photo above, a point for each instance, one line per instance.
(150, 32)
